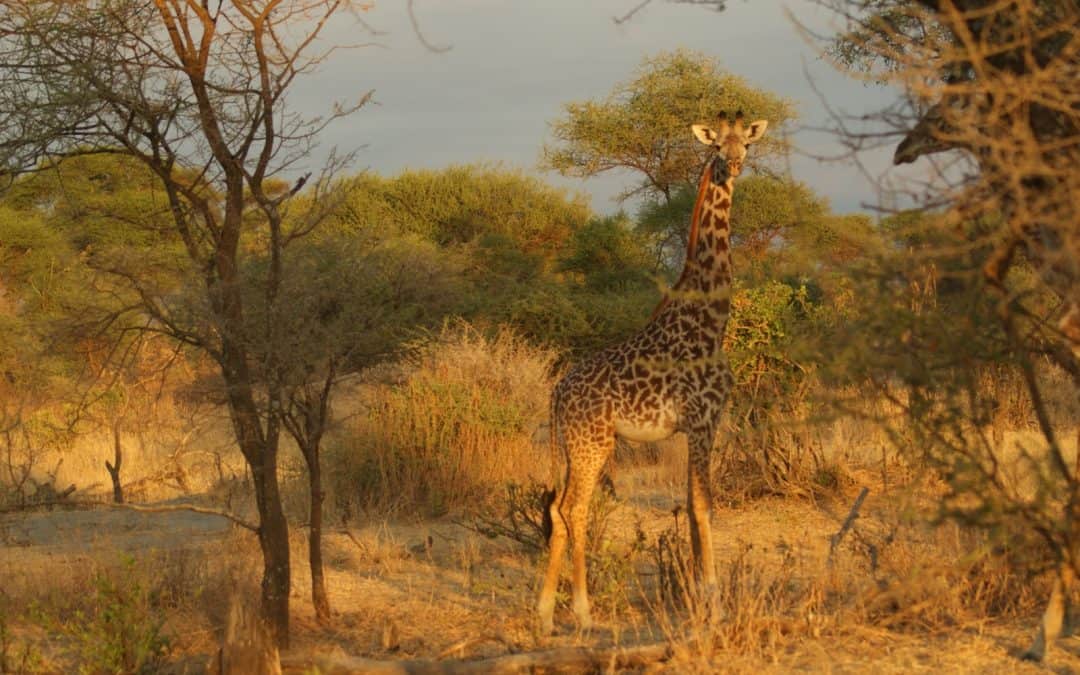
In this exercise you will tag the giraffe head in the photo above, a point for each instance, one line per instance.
(730, 141)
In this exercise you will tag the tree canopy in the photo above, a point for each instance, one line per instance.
(642, 126)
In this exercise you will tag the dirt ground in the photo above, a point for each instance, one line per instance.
(438, 589)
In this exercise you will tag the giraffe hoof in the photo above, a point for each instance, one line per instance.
(545, 625)
(585, 623)
(583, 614)
(1032, 654)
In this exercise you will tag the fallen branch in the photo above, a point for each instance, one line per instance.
(578, 658)
(834, 541)
(163, 508)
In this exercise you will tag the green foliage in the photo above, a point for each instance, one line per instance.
(772, 346)
(779, 227)
(30, 251)
(663, 223)
(605, 293)
(500, 257)
(607, 255)
(60, 228)
(549, 314)
(873, 40)
(614, 316)
(769, 214)
(37, 269)
(120, 633)
(459, 204)
(96, 201)
(17, 656)
(351, 303)
(643, 124)
(506, 249)
(761, 323)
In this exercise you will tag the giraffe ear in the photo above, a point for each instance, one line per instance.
(704, 134)
(756, 131)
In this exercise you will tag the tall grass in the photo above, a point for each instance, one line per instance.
(457, 427)
(772, 606)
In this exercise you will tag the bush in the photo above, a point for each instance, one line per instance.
(453, 431)
(119, 633)
(770, 436)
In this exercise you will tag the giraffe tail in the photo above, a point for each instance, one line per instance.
(547, 524)
(547, 500)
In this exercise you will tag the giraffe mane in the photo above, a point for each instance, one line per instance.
(691, 240)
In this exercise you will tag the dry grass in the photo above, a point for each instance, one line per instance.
(891, 577)
(450, 430)
(458, 426)
(51, 597)
(419, 588)
(175, 449)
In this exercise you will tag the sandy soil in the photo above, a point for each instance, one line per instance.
(85, 531)
(436, 589)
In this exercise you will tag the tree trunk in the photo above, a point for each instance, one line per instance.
(260, 451)
(114, 468)
(274, 541)
(318, 582)
(305, 418)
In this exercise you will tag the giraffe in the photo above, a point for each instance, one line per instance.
(671, 376)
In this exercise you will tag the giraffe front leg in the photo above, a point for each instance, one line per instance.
(699, 506)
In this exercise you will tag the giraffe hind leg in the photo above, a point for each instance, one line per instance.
(579, 496)
(1054, 619)
(570, 522)
(545, 606)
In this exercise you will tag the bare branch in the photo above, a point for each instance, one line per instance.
(420, 36)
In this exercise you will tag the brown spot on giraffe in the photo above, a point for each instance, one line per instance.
(672, 376)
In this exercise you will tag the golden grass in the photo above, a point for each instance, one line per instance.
(890, 577)
(448, 429)
(452, 432)
(415, 589)
(48, 595)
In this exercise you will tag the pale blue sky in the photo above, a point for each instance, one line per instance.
(513, 64)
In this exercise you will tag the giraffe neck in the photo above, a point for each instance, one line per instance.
(708, 254)
(706, 276)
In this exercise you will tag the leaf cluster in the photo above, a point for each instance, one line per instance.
(642, 126)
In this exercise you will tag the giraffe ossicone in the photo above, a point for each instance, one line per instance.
(671, 376)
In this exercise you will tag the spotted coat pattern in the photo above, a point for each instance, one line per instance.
(672, 376)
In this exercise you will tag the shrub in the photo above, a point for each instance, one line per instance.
(119, 633)
(453, 431)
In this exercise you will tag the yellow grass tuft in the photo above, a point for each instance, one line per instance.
(456, 428)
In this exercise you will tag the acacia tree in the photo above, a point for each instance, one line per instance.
(642, 126)
(991, 104)
(196, 91)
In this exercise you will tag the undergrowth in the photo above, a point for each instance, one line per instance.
(119, 628)
(458, 425)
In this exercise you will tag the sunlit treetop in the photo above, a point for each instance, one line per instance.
(643, 125)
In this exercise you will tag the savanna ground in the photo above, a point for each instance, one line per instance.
(895, 594)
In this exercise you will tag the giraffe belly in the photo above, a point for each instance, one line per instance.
(645, 430)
